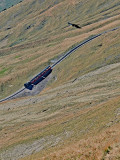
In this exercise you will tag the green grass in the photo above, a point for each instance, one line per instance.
(38, 34)
(3, 71)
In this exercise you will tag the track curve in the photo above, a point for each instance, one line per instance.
(13, 95)
(64, 57)
(81, 44)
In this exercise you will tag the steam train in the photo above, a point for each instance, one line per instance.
(38, 78)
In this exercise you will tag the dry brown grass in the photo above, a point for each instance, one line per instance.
(78, 104)
(29, 57)
(101, 146)
(82, 108)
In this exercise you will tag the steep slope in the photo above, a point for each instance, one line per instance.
(81, 101)
(34, 32)
(87, 106)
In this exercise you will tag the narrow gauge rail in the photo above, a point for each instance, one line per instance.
(43, 74)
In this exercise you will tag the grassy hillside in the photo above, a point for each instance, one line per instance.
(84, 113)
(83, 97)
(34, 32)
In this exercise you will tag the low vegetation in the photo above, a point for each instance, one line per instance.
(77, 115)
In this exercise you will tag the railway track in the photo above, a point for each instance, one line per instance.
(64, 57)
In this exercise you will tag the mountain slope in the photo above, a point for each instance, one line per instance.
(83, 97)
(34, 32)
(87, 106)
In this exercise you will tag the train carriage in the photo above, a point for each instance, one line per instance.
(38, 78)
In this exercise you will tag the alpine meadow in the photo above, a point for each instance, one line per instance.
(73, 114)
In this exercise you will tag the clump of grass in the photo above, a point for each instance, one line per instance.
(3, 71)
(107, 151)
